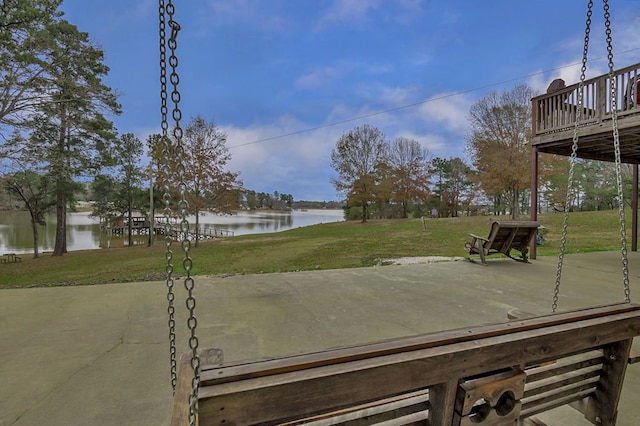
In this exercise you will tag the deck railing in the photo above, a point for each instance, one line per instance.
(556, 111)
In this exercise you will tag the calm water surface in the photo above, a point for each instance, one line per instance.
(83, 232)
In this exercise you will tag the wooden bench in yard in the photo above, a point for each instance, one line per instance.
(502, 374)
(504, 237)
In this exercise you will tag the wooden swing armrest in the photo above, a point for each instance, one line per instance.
(476, 237)
(634, 357)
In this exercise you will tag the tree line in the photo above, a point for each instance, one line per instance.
(385, 179)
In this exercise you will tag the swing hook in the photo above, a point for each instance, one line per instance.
(175, 28)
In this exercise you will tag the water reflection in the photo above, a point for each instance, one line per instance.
(83, 232)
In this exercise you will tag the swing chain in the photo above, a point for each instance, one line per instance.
(572, 159)
(187, 262)
(618, 161)
(166, 195)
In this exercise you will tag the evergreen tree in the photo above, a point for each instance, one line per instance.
(71, 131)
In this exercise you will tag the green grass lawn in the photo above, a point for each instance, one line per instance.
(325, 246)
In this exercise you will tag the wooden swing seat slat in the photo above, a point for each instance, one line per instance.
(333, 386)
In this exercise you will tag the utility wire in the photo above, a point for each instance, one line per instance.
(398, 108)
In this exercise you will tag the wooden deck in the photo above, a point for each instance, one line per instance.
(554, 116)
(161, 226)
(553, 124)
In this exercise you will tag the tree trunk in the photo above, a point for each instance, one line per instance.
(130, 224)
(60, 247)
(364, 212)
(34, 229)
(197, 227)
(515, 205)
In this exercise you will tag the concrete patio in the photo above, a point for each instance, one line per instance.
(99, 354)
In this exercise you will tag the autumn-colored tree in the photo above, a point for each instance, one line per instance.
(204, 155)
(382, 205)
(499, 143)
(409, 162)
(355, 158)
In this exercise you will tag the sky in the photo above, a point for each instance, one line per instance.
(284, 79)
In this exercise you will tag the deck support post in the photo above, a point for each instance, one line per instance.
(534, 196)
(634, 210)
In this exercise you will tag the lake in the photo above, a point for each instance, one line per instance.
(83, 232)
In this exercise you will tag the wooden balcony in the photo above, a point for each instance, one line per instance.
(554, 116)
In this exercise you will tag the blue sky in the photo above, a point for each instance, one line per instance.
(286, 78)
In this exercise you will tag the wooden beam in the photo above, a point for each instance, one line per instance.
(634, 210)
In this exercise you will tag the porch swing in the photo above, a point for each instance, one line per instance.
(502, 374)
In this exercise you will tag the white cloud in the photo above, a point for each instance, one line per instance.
(320, 77)
(396, 96)
(289, 164)
(349, 11)
(437, 145)
(421, 58)
(245, 12)
(287, 157)
(409, 10)
(359, 11)
(626, 40)
(449, 110)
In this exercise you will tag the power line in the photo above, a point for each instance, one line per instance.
(398, 108)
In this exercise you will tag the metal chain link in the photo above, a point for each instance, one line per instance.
(572, 159)
(187, 263)
(166, 193)
(616, 145)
